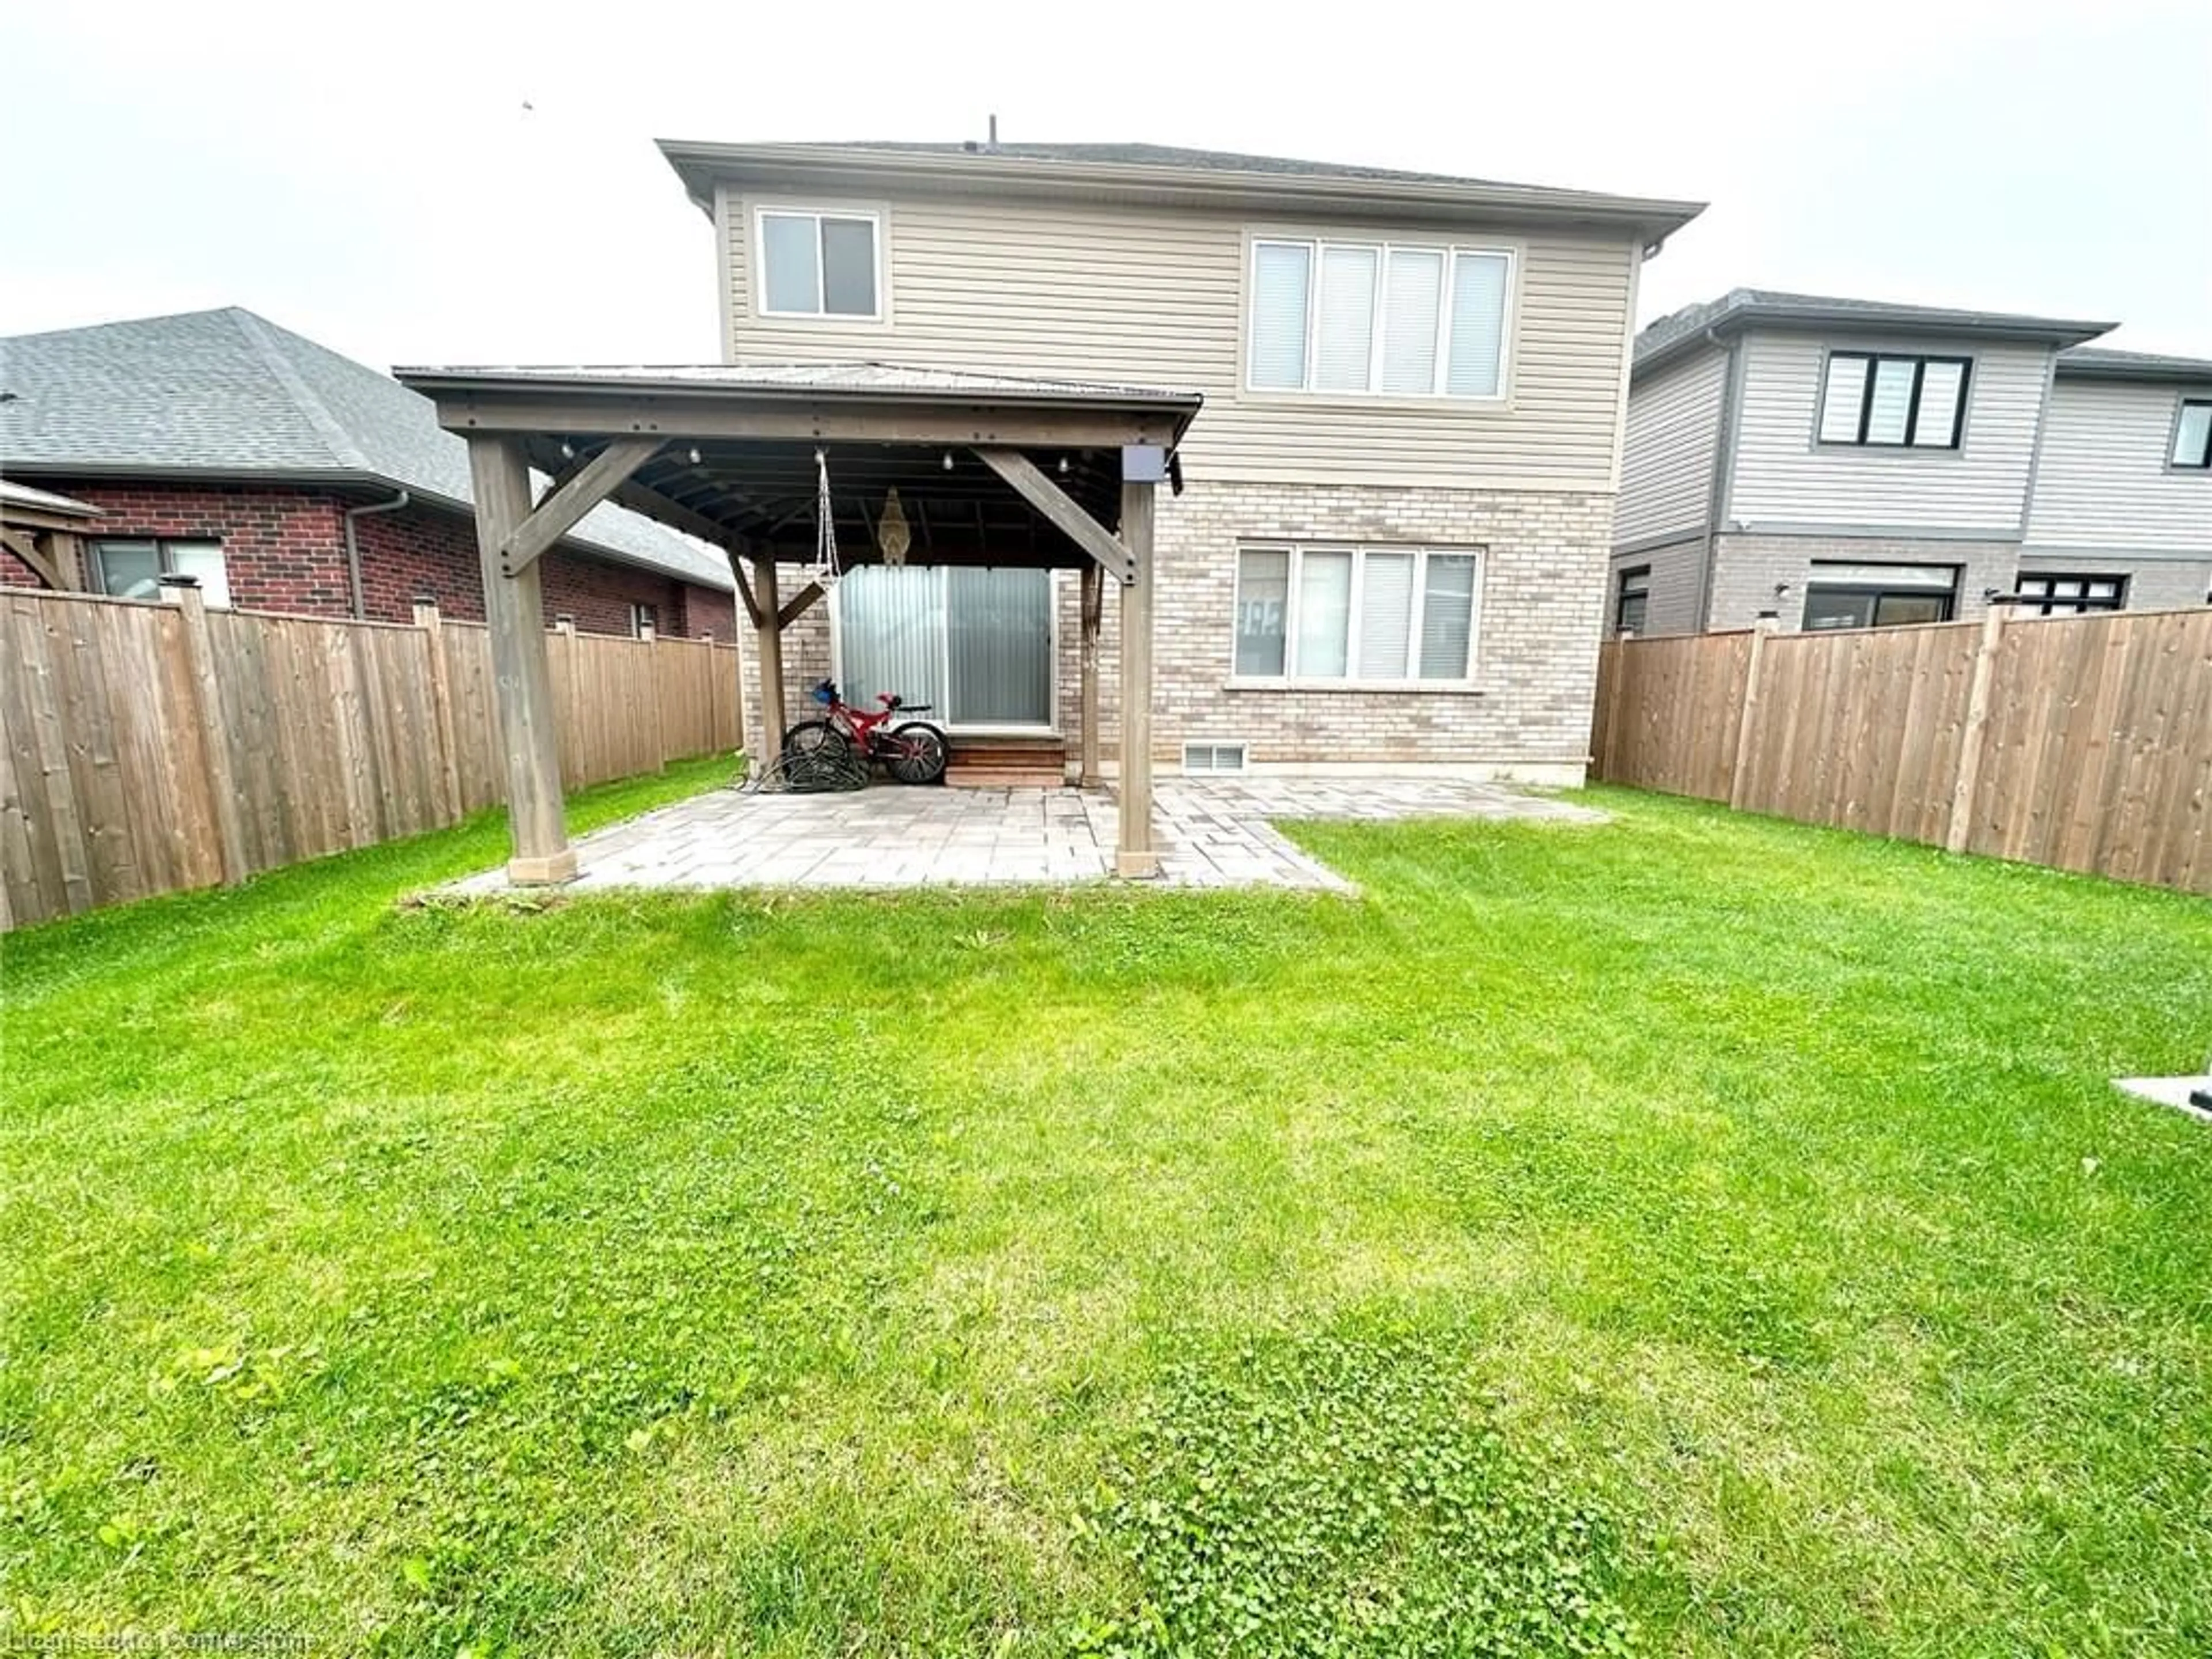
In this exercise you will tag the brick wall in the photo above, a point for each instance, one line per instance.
(1746, 568)
(284, 549)
(1527, 714)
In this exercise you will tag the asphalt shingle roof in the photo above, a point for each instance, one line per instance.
(859, 378)
(2105, 363)
(229, 393)
(1168, 155)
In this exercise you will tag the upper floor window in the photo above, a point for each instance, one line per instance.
(1378, 317)
(1372, 615)
(819, 264)
(1884, 400)
(134, 569)
(2192, 435)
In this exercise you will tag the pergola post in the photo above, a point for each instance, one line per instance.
(522, 680)
(1091, 607)
(770, 636)
(1133, 855)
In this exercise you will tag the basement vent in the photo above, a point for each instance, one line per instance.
(1213, 757)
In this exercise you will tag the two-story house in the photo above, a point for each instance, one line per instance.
(1389, 548)
(1847, 464)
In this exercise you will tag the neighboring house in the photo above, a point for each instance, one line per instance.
(1847, 462)
(286, 477)
(1390, 548)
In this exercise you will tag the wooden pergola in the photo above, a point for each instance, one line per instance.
(990, 470)
(46, 532)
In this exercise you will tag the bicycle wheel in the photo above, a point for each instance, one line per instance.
(915, 753)
(814, 740)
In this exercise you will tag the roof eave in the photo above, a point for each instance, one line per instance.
(704, 166)
(2059, 332)
(2180, 373)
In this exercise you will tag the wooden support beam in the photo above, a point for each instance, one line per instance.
(801, 603)
(1090, 612)
(1133, 855)
(768, 633)
(745, 588)
(29, 546)
(1062, 509)
(522, 681)
(677, 419)
(558, 513)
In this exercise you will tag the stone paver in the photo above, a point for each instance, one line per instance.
(1212, 832)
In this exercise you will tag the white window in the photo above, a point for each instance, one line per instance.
(1213, 757)
(2192, 435)
(134, 569)
(1892, 402)
(1371, 616)
(644, 620)
(1376, 317)
(819, 264)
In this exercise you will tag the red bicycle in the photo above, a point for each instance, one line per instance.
(913, 752)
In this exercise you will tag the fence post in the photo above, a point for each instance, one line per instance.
(442, 703)
(1613, 671)
(1974, 738)
(1739, 790)
(207, 699)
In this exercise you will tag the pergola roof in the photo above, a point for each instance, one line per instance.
(736, 461)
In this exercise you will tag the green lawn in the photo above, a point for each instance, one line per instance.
(1694, 1235)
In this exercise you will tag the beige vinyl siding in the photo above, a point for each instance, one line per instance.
(1666, 467)
(2103, 480)
(1781, 477)
(1156, 297)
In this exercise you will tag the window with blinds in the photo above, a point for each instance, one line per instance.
(1885, 401)
(1377, 317)
(1372, 615)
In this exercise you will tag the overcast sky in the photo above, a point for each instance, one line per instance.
(475, 183)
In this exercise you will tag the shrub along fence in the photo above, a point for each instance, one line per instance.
(2080, 742)
(145, 748)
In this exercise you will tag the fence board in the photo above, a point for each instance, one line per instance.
(332, 730)
(2096, 753)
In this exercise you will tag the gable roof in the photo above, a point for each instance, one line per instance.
(227, 394)
(2103, 363)
(1162, 174)
(1744, 308)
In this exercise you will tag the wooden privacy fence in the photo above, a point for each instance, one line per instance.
(146, 748)
(2084, 743)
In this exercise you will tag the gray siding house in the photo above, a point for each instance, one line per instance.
(1389, 548)
(1844, 463)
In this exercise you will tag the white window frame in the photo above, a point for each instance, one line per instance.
(763, 211)
(1290, 679)
(1314, 248)
(164, 554)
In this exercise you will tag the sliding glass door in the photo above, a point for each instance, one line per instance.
(974, 642)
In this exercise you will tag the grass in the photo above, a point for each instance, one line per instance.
(1696, 1235)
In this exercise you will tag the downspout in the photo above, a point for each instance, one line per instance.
(358, 606)
(1724, 461)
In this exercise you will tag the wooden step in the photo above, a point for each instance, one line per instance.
(1007, 762)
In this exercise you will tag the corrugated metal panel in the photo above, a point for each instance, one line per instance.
(2103, 481)
(1155, 297)
(1780, 477)
(1666, 467)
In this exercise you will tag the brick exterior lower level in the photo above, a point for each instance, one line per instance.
(283, 548)
(1526, 714)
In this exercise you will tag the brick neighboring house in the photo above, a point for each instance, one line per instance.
(287, 478)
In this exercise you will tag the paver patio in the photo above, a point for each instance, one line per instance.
(1212, 833)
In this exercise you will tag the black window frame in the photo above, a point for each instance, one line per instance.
(1622, 595)
(2048, 604)
(1873, 360)
(1875, 596)
(2203, 462)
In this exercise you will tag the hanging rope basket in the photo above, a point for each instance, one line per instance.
(826, 571)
